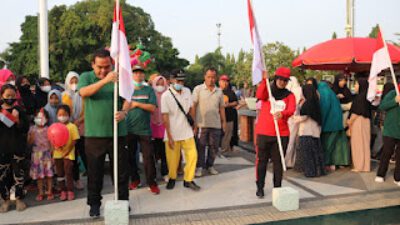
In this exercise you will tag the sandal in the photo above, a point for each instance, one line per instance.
(50, 196)
(39, 198)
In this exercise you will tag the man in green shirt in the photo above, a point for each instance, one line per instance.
(143, 103)
(97, 89)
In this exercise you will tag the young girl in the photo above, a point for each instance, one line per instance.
(65, 156)
(41, 160)
(309, 158)
(13, 128)
(54, 100)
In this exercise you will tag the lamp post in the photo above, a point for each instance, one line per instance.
(219, 34)
(44, 39)
(349, 18)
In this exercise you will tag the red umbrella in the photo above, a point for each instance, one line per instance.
(345, 54)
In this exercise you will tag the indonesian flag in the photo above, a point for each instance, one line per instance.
(120, 53)
(7, 118)
(258, 67)
(380, 61)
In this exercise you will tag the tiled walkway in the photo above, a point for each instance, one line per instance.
(227, 198)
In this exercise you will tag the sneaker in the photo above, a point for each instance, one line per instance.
(134, 185)
(63, 196)
(20, 205)
(39, 198)
(154, 189)
(71, 196)
(78, 185)
(94, 211)
(5, 206)
(397, 183)
(212, 171)
(192, 185)
(199, 172)
(260, 193)
(379, 179)
(50, 196)
(166, 178)
(171, 184)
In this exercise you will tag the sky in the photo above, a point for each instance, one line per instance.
(192, 23)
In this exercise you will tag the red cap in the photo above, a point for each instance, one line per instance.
(283, 72)
(224, 77)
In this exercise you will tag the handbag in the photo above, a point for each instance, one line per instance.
(187, 115)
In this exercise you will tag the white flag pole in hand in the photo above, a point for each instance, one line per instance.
(258, 69)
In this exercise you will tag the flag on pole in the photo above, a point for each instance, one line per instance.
(380, 61)
(120, 53)
(258, 67)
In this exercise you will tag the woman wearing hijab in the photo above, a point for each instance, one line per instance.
(72, 98)
(53, 101)
(344, 95)
(6, 77)
(160, 86)
(310, 155)
(27, 97)
(294, 87)
(43, 87)
(360, 128)
(333, 136)
(267, 145)
(313, 82)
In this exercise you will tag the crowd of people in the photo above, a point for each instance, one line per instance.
(322, 128)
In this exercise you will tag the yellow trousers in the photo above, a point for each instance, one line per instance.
(173, 158)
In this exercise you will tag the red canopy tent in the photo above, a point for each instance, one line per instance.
(344, 54)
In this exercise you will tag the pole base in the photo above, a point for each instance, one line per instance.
(116, 212)
(285, 199)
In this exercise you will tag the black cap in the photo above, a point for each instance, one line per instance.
(178, 75)
(137, 68)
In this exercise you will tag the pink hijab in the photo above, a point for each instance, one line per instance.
(156, 117)
(5, 74)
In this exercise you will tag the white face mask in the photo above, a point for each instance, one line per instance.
(73, 87)
(159, 88)
(63, 119)
(12, 82)
(46, 89)
(39, 121)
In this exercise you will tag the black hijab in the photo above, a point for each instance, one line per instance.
(278, 93)
(311, 105)
(345, 91)
(386, 89)
(314, 82)
(361, 106)
(41, 96)
(27, 96)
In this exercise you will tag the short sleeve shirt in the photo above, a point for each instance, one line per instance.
(73, 136)
(179, 126)
(138, 120)
(208, 105)
(99, 114)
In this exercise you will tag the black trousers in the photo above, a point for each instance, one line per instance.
(79, 151)
(11, 173)
(390, 145)
(96, 151)
(148, 158)
(159, 150)
(267, 148)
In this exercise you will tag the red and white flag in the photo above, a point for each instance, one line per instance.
(258, 67)
(120, 53)
(380, 61)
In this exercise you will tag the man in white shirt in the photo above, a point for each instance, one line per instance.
(179, 133)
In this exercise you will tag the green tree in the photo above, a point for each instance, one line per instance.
(334, 35)
(374, 31)
(75, 32)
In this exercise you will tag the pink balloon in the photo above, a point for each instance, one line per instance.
(58, 135)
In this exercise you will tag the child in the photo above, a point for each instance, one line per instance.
(65, 156)
(41, 161)
(14, 125)
(54, 100)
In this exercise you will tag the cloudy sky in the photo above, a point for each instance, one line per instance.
(192, 23)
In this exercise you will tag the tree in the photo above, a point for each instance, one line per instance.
(334, 35)
(374, 31)
(75, 32)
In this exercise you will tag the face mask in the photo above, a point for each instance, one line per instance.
(12, 82)
(10, 101)
(39, 121)
(159, 88)
(63, 119)
(46, 89)
(73, 87)
(178, 87)
(26, 87)
(137, 84)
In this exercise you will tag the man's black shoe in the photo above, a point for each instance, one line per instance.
(171, 184)
(192, 185)
(94, 211)
(260, 193)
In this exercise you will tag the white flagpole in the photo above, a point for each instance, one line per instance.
(116, 110)
(391, 65)
(271, 100)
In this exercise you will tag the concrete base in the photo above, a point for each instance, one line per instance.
(116, 213)
(285, 199)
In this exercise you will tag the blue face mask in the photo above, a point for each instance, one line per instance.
(178, 87)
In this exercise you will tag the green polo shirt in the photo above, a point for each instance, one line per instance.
(391, 125)
(138, 120)
(99, 115)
